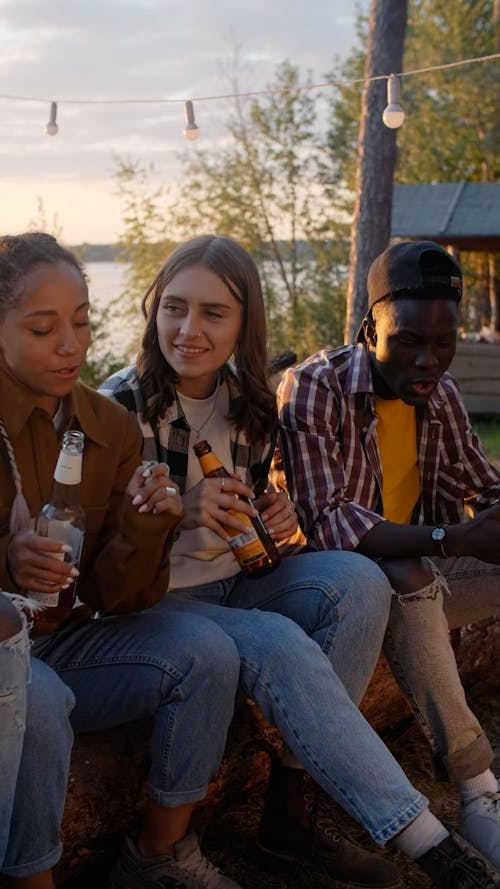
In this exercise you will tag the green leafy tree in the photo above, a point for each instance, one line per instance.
(145, 241)
(264, 190)
(452, 113)
(455, 129)
(450, 132)
(451, 127)
(285, 190)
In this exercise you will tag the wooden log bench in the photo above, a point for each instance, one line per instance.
(106, 789)
(477, 368)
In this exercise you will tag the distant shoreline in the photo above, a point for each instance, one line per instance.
(117, 253)
(99, 252)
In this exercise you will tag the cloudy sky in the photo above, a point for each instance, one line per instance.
(133, 49)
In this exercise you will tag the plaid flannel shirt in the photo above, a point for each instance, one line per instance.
(328, 430)
(170, 444)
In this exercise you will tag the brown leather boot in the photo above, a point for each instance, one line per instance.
(293, 828)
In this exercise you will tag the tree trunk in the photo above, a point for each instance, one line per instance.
(371, 225)
(494, 293)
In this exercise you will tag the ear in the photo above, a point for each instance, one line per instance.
(369, 327)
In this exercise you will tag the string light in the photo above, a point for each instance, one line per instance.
(52, 129)
(391, 80)
(191, 130)
(393, 115)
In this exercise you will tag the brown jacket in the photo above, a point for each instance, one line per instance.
(124, 565)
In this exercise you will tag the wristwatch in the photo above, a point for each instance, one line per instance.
(438, 535)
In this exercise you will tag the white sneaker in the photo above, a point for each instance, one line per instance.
(480, 825)
(186, 869)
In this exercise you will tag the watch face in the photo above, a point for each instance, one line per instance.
(438, 534)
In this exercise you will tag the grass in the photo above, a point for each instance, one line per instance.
(489, 433)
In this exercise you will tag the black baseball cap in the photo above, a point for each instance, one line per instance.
(413, 268)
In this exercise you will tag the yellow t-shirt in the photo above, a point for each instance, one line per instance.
(397, 444)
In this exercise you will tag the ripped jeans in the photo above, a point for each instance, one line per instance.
(418, 648)
(14, 670)
(35, 744)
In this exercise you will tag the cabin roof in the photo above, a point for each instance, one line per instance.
(464, 215)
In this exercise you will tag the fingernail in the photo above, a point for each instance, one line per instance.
(137, 499)
(74, 572)
(146, 473)
(143, 508)
(65, 548)
(66, 585)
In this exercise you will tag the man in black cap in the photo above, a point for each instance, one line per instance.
(380, 458)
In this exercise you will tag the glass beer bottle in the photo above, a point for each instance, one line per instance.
(255, 550)
(63, 518)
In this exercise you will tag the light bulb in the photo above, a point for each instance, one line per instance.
(191, 130)
(52, 129)
(393, 115)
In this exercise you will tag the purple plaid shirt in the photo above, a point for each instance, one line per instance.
(331, 458)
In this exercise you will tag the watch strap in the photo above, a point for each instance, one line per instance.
(444, 554)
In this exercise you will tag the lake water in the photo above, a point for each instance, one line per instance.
(107, 280)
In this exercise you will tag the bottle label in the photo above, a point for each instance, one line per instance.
(249, 548)
(246, 545)
(50, 600)
(69, 469)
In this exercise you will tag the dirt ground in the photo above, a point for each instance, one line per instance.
(230, 840)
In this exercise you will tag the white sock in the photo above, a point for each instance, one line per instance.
(421, 835)
(471, 788)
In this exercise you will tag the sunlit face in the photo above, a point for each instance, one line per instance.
(44, 339)
(198, 323)
(412, 343)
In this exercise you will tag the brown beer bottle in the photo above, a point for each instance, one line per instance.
(255, 551)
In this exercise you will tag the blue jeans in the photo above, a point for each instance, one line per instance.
(419, 651)
(181, 670)
(35, 745)
(14, 670)
(314, 612)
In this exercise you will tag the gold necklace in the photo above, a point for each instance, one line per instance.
(197, 430)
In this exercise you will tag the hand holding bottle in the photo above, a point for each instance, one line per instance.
(207, 505)
(62, 521)
(37, 563)
(278, 514)
(253, 548)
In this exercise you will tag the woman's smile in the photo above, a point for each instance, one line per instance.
(198, 323)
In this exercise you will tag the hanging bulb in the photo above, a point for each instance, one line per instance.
(52, 129)
(393, 115)
(191, 130)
